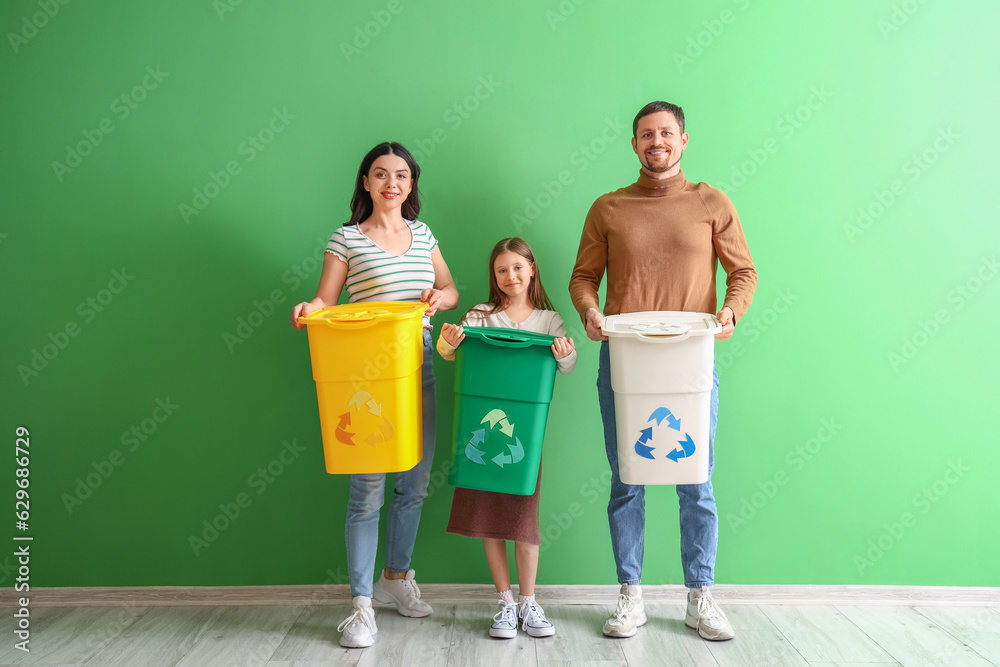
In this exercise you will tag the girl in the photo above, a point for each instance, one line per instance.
(517, 301)
(384, 253)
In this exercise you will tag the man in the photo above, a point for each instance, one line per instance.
(659, 241)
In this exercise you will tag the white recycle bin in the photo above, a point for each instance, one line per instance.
(662, 365)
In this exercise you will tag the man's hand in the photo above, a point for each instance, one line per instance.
(727, 319)
(594, 323)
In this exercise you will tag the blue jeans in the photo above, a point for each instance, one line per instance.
(366, 497)
(627, 507)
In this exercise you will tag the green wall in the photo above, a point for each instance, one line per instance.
(857, 441)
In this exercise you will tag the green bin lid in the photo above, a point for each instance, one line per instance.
(508, 337)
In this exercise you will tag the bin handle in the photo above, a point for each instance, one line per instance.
(665, 338)
(503, 342)
(359, 320)
(662, 332)
(662, 328)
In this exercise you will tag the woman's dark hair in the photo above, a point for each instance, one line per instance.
(361, 202)
(536, 293)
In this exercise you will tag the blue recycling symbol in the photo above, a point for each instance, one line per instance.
(687, 445)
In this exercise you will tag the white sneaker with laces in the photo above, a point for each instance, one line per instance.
(404, 593)
(533, 620)
(705, 616)
(628, 616)
(505, 622)
(359, 628)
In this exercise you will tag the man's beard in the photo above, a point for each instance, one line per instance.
(664, 165)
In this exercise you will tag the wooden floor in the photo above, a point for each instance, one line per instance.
(910, 634)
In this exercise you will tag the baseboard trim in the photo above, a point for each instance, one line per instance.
(182, 596)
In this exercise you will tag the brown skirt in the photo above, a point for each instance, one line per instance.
(499, 516)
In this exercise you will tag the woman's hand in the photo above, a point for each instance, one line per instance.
(300, 310)
(562, 347)
(432, 297)
(331, 282)
(453, 334)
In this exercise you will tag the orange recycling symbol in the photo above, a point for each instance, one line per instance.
(365, 418)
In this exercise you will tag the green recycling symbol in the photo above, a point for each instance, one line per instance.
(512, 452)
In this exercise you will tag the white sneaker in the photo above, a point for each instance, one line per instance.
(630, 614)
(505, 622)
(705, 616)
(404, 593)
(534, 621)
(359, 628)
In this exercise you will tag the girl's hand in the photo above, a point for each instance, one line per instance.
(453, 334)
(432, 297)
(562, 347)
(300, 310)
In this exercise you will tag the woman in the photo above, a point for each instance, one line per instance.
(383, 253)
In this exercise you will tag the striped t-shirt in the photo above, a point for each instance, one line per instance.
(376, 275)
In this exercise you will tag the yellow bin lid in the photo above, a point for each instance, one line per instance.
(364, 314)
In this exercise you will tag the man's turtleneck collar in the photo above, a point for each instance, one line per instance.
(660, 188)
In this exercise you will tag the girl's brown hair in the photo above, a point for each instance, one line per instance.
(536, 293)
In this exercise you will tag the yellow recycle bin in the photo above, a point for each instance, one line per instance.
(366, 360)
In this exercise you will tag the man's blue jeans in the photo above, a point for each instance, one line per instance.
(366, 497)
(627, 507)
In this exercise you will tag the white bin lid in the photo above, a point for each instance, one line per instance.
(661, 323)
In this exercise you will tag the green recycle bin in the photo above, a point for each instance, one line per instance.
(503, 385)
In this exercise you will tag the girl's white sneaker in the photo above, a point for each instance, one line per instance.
(505, 622)
(534, 622)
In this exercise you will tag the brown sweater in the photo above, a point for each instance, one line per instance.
(660, 242)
